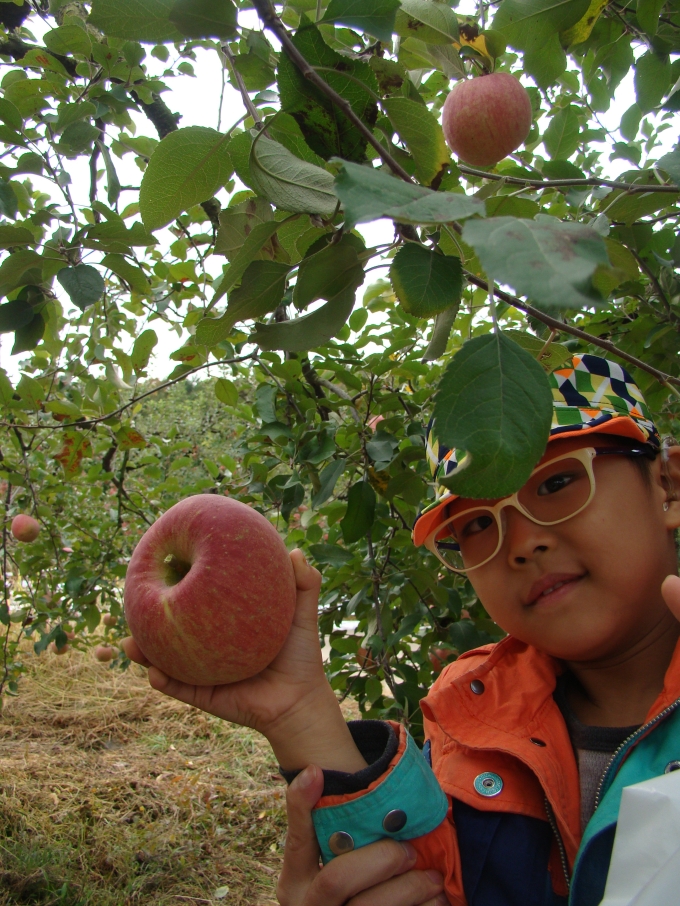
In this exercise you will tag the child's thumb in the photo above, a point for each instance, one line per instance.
(302, 851)
(670, 590)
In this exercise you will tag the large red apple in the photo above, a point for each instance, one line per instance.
(210, 591)
(25, 528)
(486, 118)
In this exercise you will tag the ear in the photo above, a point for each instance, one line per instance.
(670, 480)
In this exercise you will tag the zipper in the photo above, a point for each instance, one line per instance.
(627, 742)
(560, 843)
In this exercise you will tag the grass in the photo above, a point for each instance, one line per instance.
(113, 795)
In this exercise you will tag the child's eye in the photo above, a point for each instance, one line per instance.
(555, 483)
(477, 525)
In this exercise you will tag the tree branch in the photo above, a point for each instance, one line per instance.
(568, 183)
(555, 324)
(267, 14)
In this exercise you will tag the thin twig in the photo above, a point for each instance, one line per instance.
(271, 21)
(567, 183)
(555, 324)
(238, 78)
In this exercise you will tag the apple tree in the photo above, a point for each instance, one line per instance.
(292, 389)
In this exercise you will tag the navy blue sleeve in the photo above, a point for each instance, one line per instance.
(377, 742)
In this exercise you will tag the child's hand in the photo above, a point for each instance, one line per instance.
(671, 594)
(290, 702)
(375, 875)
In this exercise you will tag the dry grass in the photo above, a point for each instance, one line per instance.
(112, 795)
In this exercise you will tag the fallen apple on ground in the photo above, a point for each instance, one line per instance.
(486, 118)
(25, 527)
(210, 591)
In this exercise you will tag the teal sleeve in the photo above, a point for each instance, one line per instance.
(410, 787)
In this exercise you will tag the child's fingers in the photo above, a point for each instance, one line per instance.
(415, 888)
(306, 577)
(134, 652)
(301, 857)
(671, 594)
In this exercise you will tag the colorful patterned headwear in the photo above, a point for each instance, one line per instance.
(591, 395)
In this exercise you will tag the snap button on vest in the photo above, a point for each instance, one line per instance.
(488, 784)
(340, 842)
(477, 686)
(672, 766)
(394, 820)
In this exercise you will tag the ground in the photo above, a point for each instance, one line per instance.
(113, 795)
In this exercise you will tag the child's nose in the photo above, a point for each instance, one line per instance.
(524, 539)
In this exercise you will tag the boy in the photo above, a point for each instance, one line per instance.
(531, 740)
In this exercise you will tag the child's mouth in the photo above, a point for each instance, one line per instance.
(550, 585)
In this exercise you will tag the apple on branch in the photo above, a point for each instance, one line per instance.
(210, 591)
(25, 527)
(486, 118)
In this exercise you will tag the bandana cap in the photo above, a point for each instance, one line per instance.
(591, 395)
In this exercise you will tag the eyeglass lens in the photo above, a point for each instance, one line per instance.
(553, 493)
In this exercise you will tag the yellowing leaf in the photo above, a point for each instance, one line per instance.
(580, 32)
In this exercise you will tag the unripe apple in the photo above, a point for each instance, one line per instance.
(486, 118)
(25, 528)
(109, 619)
(104, 653)
(210, 591)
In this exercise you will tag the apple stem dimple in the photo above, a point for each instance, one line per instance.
(175, 569)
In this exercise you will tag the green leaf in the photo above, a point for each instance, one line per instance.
(15, 315)
(427, 20)
(256, 239)
(671, 164)
(204, 18)
(129, 438)
(68, 39)
(440, 334)
(9, 204)
(226, 392)
(11, 236)
(310, 331)
(331, 271)
(137, 20)
(552, 355)
(288, 182)
(375, 17)
(422, 134)
(265, 402)
(134, 276)
(407, 485)
(368, 194)
(32, 393)
(83, 283)
(426, 282)
(533, 26)
(561, 138)
(10, 115)
(261, 290)
(28, 337)
(186, 168)
(21, 268)
(326, 129)
(547, 260)
(328, 478)
(652, 80)
(330, 554)
(493, 402)
(647, 14)
(141, 351)
(357, 521)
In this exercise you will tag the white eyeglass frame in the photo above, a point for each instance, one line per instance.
(584, 455)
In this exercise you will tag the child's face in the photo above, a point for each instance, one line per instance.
(611, 558)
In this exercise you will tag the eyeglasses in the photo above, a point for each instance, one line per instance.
(556, 491)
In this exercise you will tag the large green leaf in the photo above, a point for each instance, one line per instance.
(187, 167)
(310, 331)
(552, 355)
(15, 315)
(141, 351)
(288, 182)
(331, 271)
(328, 478)
(21, 268)
(134, 276)
(427, 20)
(561, 138)
(83, 283)
(671, 164)
(137, 20)
(440, 334)
(376, 17)
(12, 236)
(533, 26)
(647, 14)
(204, 18)
(494, 404)
(368, 194)
(549, 261)
(357, 521)
(652, 80)
(327, 131)
(426, 282)
(256, 239)
(422, 134)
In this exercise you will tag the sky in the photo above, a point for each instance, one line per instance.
(198, 101)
